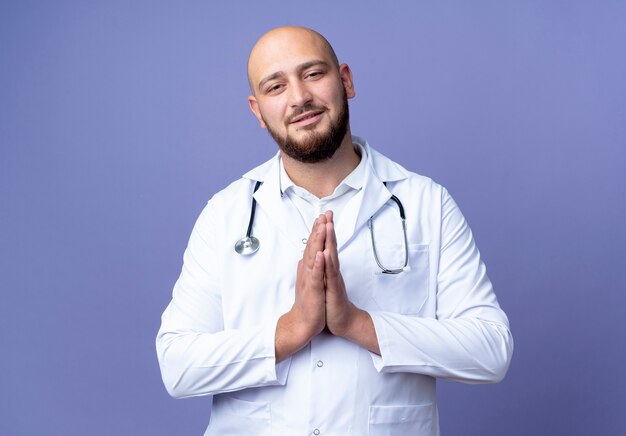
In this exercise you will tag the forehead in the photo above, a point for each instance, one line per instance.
(283, 51)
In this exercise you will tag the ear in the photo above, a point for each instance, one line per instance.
(346, 78)
(254, 107)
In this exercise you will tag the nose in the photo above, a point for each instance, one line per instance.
(299, 94)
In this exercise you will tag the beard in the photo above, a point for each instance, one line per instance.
(315, 146)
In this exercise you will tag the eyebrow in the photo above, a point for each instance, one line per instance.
(299, 68)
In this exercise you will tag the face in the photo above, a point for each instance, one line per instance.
(316, 144)
(300, 94)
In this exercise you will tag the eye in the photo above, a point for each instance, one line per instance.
(272, 89)
(314, 75)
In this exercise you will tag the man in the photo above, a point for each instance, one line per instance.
(341, 321)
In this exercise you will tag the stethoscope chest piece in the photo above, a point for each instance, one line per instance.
(247, 245)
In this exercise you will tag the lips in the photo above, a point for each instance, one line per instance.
(306, 117)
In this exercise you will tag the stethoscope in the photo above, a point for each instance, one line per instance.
(249, 244)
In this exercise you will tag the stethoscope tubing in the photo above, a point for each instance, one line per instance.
(249, 244)
(252, 209)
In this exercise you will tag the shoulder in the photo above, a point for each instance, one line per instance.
(244, 186)
(233, 193)
(234, 200)
(396, 176)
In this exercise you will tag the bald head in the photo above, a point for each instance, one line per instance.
(282, 43)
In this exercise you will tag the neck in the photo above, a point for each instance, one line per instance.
(321, 178)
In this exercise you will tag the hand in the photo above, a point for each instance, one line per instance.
(340, 312)
(309, 306)
(342, 317)
(307, 316)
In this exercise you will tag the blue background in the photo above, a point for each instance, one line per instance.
(118, 120)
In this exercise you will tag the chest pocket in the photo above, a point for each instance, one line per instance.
(401, 420)
(406, 292)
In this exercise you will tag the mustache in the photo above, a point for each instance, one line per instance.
(309, 107)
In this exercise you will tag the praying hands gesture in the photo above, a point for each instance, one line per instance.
(321, 300)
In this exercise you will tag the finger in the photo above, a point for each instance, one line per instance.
(315, 242)
(330, 269)
(331, 243)
(308, 257)
(318, 235)
(335, 287)
(299, 269)
(318, 268)
(329, 215)
(299, 276)
(318, 238)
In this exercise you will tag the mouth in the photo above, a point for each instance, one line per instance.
(306, 118)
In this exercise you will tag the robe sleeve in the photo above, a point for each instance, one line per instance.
(469, 339)
(197, 356)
